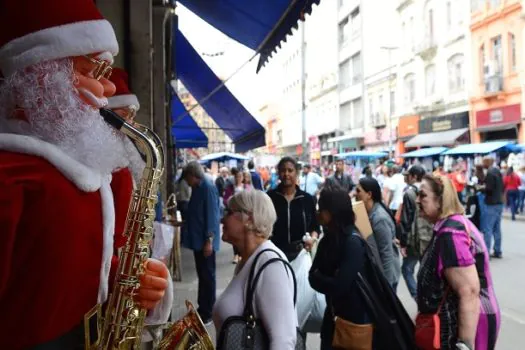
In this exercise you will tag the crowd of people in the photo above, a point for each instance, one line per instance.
(417, 217)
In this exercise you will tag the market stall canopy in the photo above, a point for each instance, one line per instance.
(260, 25)
(229, 114)
(185, 131)
(361, 154)
(478, 148)
(424, 152)
(440, 138)
(516, 148)
(223, 157)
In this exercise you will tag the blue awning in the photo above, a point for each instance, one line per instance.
(185, 131)
(478, 148)
(260, 25)
(362, 154)
(222, 157)
(424, 152)
(229, 114)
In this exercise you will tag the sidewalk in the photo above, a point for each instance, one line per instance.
(507, 215)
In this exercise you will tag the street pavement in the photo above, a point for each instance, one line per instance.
(508, 274)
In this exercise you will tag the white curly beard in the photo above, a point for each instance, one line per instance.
(56, 114)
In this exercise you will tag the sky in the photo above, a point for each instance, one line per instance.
(248, 87)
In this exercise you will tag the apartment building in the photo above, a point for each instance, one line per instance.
(497, 57)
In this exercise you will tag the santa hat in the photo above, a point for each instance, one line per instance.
(33, 31)
(123, 97)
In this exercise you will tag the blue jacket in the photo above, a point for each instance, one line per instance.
(256, 180)
(202, 217)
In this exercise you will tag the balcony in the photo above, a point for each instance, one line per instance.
(378, 120)
(493, 84)
(427, 48)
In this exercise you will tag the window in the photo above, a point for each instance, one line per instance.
(409, 88)
(496, 52)
(430, 80)
(345, 116)
(431, 25)
(356, 68)
(449, 15)
(404, 35)
(355, 19)
(357, 109)
(512, 53)
(411, 34)
(344, 32)
(456, 78)
(392, 102)
(371, 104)
(482, 60)
(344, 74)
(380, 107)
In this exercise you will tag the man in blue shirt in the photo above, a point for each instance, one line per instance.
(310, 181)
(203, 234)
(256, 178)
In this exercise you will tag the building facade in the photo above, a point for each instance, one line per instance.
(497, 56)
(218, 141)
(433, 72)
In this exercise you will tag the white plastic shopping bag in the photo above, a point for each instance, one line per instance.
(305, 294)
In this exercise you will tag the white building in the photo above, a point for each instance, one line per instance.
(381, 51)
(434, 70)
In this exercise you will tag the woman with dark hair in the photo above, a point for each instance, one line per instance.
(383, 226)
(295, 211)
(341, 255)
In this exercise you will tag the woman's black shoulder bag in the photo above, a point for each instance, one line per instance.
(247, 332)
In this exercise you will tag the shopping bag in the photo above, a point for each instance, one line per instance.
(315, 319)
(305, 294)
(162, 242)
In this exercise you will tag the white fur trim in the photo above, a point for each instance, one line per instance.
(121, 101)
(83, 177)
(70, 40)
(108, 227)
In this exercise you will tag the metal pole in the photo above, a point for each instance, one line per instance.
(390, 152)
(304, 155)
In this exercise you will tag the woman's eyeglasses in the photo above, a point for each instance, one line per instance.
(103, 68)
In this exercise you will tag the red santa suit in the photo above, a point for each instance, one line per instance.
(57, 217)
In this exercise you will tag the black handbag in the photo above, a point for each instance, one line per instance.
(247, 332)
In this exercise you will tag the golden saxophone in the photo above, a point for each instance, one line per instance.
(121, 325)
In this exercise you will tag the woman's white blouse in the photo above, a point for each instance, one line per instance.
(273, 300)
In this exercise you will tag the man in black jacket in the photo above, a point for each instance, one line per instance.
(416, 232)
(296, 212)
(491, 220)
(340, 178)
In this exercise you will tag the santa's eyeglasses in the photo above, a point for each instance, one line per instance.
(103, 68)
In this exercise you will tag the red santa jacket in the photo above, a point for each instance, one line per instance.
(56, 219)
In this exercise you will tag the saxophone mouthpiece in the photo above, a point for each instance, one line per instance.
(112, 118)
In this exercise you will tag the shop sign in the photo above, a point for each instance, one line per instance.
(378, 136)
(408, 126)
(444, 123)
(499, 116)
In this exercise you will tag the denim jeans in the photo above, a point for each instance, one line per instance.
(513, 197)
(491, 226)
(521, 201)
(408, 267)
(207, 283)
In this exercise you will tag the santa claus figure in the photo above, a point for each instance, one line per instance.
(65, 175)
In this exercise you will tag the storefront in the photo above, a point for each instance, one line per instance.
(315, 150)
(379, 139)
(408, 127)
(448, 130)
(347, 143)
(501, 123)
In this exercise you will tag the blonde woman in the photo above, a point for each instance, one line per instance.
(454, 276)
(247, 225)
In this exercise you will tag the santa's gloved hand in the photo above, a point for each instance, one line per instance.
(153, 284)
